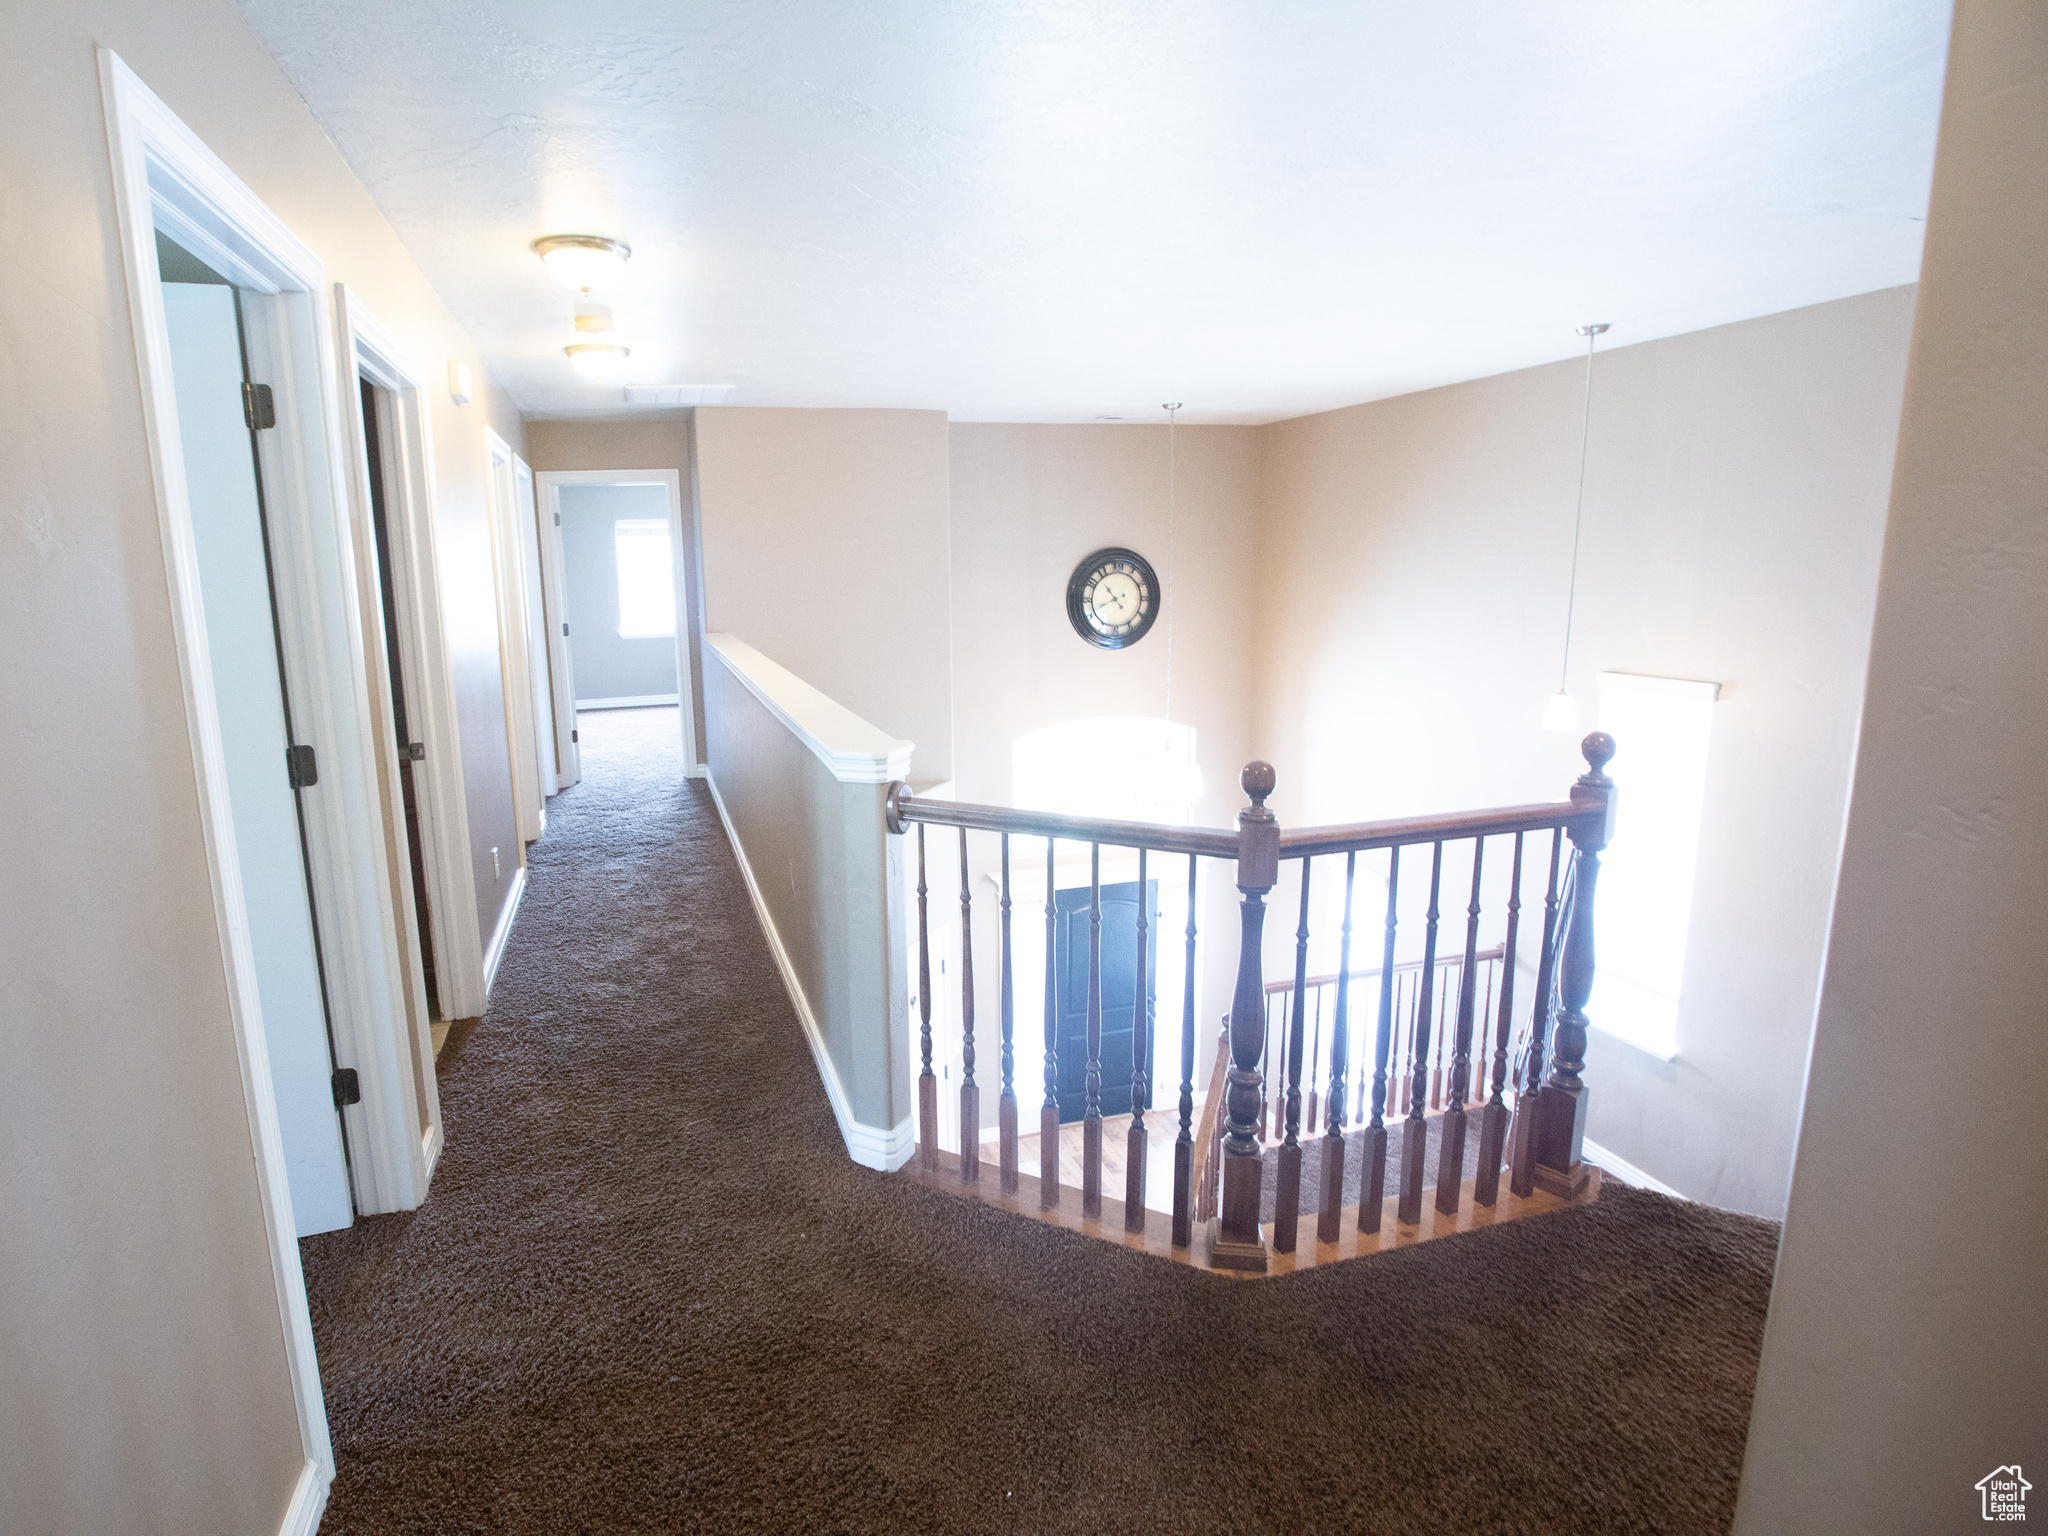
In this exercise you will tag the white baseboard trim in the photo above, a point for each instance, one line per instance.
(868, 1145)
(430, 1148)
(309, 1502)
(503, 934)
(1624, 1170)
(631, 701)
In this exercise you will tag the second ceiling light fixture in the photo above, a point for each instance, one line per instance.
(585, 262)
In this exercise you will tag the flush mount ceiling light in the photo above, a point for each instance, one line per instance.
(596, 359)
(583, 261)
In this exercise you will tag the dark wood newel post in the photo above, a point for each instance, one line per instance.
(1237, 1243)
(1561, 1118)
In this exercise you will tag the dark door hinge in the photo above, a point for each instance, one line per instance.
(258, 408)
(558, 519)
(348, 1088)
(565, 631)
(574, 737)
(301, 767)
(416, 752)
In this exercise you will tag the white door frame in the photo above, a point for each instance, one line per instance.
(686, 564)
(508, 562)
(526, 511)
(160, 168)
(369, 351)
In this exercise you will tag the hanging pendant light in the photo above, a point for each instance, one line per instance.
(1560, 711)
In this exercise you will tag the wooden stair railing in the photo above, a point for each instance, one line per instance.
(1222, 1179)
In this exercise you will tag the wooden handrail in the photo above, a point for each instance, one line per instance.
(1286, 984)
(905, 809)
(1357, 836)
(1303, 842)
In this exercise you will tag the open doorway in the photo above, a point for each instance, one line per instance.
(621, 608)
(379, 422)
(268, 763)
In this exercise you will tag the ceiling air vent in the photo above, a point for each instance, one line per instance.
(677, 394)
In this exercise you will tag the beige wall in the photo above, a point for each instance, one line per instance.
(824, 538)
(142, 1375)
(1413, 563)
(654, 440)
(1029, 503)
(1906, 1355)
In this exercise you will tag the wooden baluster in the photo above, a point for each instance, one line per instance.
(1408, 1099)
(1315, 1057)
(1091, 1103)
(1331, 1215)
(1493, 1120)
(1450, 1167)
(1401, 1046)
(1478, 1094)
(927, 1084)
(1436, 1077)
(1237, 1243)
(1135, 1147)
(1372, 1188)
(1049, 1116)
(1287, 1190)
(1522, 1161)
(1561, 1106)
(1184, 1143)
(1415, 1135)
(970, 1095)
(1006, 1104)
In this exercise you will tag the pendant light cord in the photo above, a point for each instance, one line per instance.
(1590, 332)
(1172, 564)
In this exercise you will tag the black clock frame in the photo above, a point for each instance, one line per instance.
(1077, 615)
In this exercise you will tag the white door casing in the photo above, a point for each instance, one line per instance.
(527, 513)
(367, 350)
(685, 569)
(508, 563)
(162, 172)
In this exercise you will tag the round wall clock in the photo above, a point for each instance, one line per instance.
(1112, 598)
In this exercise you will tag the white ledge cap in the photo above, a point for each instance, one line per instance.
(856, 752)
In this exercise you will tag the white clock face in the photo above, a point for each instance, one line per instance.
(1116, 600)
(1112, 598)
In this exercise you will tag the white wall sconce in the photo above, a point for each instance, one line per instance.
(459, 389)
(583, 261)
(597, 359)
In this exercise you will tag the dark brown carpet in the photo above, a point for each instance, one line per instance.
(649, 1293)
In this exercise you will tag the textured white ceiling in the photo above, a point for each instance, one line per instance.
(1058, 210)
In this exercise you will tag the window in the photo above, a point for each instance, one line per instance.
(1127, 767)
(647, 588)
(1660, 726)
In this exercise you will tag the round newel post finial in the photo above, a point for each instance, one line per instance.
(1598, 750)
(1257, 781)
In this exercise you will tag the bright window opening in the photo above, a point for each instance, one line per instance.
(1661, 727)
(1126, 767)
(647, 590)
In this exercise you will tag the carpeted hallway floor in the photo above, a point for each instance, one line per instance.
(649, 1292)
